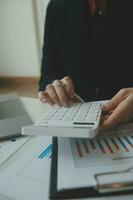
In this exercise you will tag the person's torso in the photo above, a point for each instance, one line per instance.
(96, 51)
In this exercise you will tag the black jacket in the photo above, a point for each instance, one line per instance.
(96, 52)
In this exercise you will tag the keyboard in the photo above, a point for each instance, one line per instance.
(68, 121)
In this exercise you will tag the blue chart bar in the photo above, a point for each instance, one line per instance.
(128, 141)
(46, 152)
(92, 144)
(101, 146)
(123, 144)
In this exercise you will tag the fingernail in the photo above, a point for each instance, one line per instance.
(44, 100)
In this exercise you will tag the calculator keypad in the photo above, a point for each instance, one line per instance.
(79, 114)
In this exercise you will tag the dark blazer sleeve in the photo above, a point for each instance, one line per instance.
(51, 65)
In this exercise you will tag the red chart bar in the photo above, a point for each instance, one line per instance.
(86, 147)
(79, 150)
(115, 144)
(108, 145)
(101, 146)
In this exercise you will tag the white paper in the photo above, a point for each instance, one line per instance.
(27, 178)
(80, 159)
(10, 146)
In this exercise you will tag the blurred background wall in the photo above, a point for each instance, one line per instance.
(21, 37)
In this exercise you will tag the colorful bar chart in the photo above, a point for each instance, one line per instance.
(102, 149)
(118, 146)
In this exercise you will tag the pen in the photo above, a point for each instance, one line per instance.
(76, 95)
(79, 98)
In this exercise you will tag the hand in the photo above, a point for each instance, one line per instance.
(60, 92)
(119, 108)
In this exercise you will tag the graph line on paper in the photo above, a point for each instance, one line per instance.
(9, 147)
(46, 152)
(101, 150)
(37, 160)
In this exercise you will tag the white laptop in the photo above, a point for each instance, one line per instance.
(12, 116)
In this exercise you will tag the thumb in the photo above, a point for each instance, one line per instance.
(107, 107)
(113, 103)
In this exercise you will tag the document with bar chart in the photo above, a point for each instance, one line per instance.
(103, 150)
(81, 159)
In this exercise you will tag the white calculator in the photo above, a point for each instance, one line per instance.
(79, 120)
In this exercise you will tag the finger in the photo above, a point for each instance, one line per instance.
(61, 92)
(117, 116)
(115, 101)
(50, 101)
(68, 83)
(103, 118)
(43, 96)
(52, 94)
